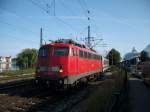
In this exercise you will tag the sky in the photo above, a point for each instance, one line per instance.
(122, 24)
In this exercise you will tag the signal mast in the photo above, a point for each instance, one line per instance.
(88, 39)
(89, 35)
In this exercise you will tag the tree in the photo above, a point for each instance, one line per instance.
(114, 57)
(27, 58)
(144, 56)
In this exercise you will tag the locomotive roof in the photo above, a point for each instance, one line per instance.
(68, 42)
(68, 45)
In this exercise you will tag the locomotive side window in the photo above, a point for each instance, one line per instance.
(85, 55)
(81, 54)
(43, 52)
(89, 55)
(96, 57)
(92, 56)
(100, 57)
(61, 51)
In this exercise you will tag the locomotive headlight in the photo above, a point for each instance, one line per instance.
(60, 70)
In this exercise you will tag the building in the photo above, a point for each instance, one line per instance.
(132, 54)
(131, 60)
(147, 49)
(5, 63)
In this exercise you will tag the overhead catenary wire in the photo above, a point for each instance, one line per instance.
(82, 4)
(85, 4)
(82, 33)
(59, 19)
(85, 10)
(23, 39)
(45, 10)
(46, 4)
(87, 14)
(38, 5)
(67, 7)
(70, 10)
(14, 13)
(28, 20)
(17, 27)
(91, 21)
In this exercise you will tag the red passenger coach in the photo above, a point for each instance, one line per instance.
(66, 62)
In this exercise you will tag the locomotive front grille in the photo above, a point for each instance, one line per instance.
(49, 69)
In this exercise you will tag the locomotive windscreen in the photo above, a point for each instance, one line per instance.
(61, 51)
(43, 52)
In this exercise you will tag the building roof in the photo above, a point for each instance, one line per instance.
(132, 54)
(147, 49)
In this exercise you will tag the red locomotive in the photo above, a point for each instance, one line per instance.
(65, 62)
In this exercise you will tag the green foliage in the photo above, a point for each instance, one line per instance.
(114, 57)
(27, 58)
(144, 56)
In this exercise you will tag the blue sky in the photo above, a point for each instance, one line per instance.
(123, 24)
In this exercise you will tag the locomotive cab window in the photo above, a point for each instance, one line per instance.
(61, 51)
(43, 52)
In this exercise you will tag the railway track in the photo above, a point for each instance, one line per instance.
(15, 84)
(14, 78)
(42, 99)
(64, 101)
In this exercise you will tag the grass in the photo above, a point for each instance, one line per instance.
(100, 97)
(18, 72)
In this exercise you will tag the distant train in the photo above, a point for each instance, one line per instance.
(137, 68)
(65, 62)
(144, 69)
(131, 65)
(105, 64)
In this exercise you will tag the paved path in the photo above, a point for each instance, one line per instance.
(138, 97)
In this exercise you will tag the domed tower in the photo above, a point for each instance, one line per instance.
(131, 60)
(131, 55)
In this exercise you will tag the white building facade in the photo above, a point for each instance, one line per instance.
(5, 63)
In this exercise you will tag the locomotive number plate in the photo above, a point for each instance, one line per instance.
(55, 69)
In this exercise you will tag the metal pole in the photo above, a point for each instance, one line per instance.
(41, 37)
(89, 44)
(89, 36)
